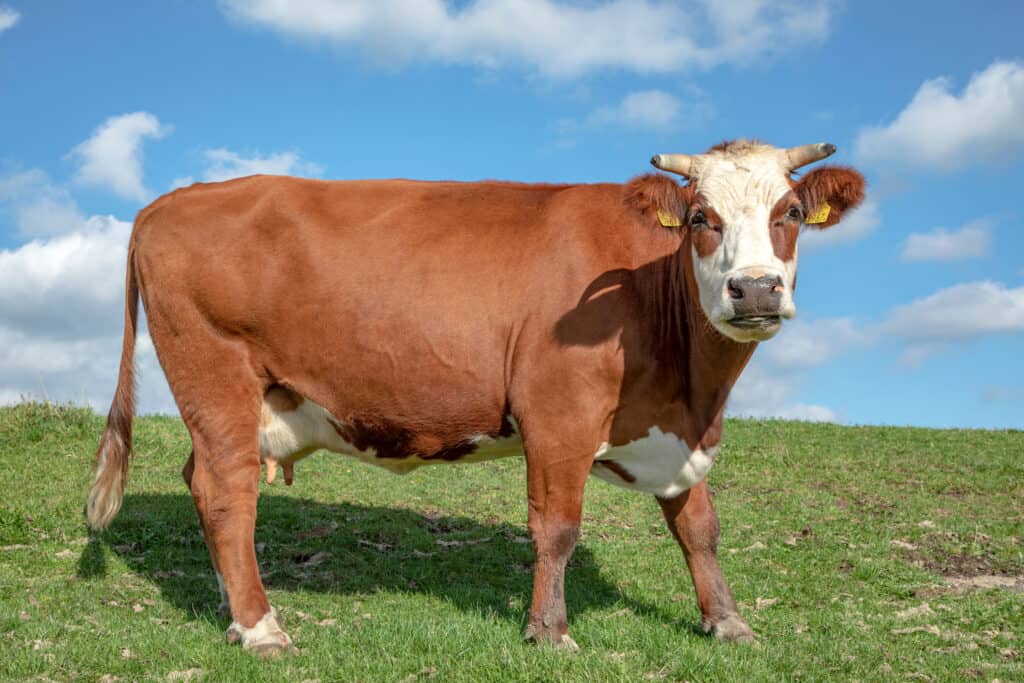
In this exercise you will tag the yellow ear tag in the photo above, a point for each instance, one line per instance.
(669, 220)
(819, 216)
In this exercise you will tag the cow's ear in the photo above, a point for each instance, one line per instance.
(659, 199)
(829, 192)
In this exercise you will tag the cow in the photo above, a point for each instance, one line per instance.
(596, 329)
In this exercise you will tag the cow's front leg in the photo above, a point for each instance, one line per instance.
(224, 490)
(555, 487)
(693, 522)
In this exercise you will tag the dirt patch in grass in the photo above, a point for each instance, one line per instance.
(965, 563)
(955, 585)
(952, 555)
(983, 581)
(960, 565)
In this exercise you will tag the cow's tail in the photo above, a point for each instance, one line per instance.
(115, 448)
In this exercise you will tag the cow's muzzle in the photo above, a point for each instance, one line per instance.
(756, 302)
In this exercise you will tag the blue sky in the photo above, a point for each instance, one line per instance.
(910, 312)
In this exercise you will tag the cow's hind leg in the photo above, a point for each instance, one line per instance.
(220, 404)
(693, 522)
(224, 608)
(555, 487)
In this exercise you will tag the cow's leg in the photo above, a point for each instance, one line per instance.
(555, 488)
(224, 608)
(224, 488)
(693, 522)
(219, 395)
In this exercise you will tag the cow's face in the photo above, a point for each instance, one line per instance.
(743, 218)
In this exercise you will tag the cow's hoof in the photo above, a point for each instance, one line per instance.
(541, 635)
(731, 629)
(265, 637)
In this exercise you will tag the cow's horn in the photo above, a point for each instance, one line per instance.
(673, 163)
(806, 154)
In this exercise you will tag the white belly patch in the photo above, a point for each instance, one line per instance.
(289, 435)
(658, 463)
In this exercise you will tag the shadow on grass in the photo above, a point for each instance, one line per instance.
(351, 549)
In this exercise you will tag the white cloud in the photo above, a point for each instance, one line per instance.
(809, 413)
(8, 18)
(809, 344)
(941, 129)
(112, 157)
(62, 313)
(68, 286)
(973, 240)
(913, 356)
(855, 225)
(958, 313)
(39, 207)
(554, 38)
(652, 109)
(770, 384)
(762, 392)
(225, 164)
(49, 214)
(644, 109)
(83, 371)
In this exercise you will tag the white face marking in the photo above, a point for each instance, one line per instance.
(266, 631)
(661, 463)
(292, 435)
(742, 188)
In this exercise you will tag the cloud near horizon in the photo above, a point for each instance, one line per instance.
(767, 388)
(61, 317)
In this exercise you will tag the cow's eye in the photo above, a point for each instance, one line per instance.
(698, 218)
(794, 213)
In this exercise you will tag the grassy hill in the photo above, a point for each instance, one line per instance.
(857, 553)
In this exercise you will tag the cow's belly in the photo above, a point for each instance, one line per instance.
(659, 463)
(294, 428)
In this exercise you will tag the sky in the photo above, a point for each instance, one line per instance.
(910, 312)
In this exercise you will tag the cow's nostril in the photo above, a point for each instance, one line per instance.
(735, 291)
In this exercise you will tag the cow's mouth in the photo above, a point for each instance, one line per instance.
(756, 322)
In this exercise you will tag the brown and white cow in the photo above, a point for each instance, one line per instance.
(596, 328)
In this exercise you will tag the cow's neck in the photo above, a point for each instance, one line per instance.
(713, 364)
(700, 364)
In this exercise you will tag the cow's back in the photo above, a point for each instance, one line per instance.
(399, 298)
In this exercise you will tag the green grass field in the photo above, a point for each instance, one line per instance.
(856, 553)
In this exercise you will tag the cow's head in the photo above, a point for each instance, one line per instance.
(742, 210)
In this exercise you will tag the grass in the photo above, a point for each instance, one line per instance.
(839, 543)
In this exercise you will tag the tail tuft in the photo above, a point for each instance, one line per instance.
(114, 452)
(112, 458)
